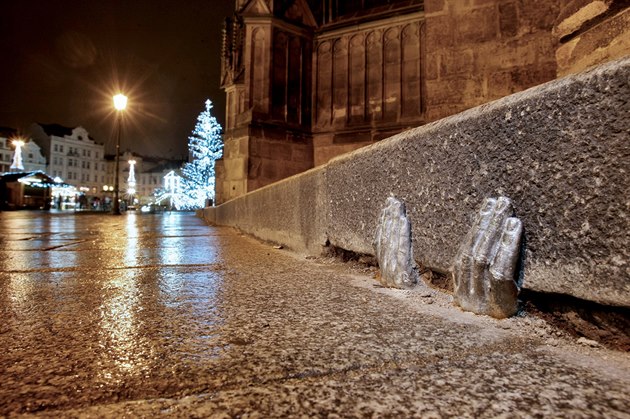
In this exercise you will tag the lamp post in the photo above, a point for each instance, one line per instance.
(120, 103)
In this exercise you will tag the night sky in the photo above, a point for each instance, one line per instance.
(62, 60)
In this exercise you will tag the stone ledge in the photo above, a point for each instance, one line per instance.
(560, 151)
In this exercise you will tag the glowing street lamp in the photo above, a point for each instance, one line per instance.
(120, 103)
(17, 157)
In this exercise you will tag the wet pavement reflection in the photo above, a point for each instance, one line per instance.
(160, 315)
(93, 306)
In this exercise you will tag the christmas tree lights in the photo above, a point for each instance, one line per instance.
(205, 146)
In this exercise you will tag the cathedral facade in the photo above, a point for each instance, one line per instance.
(307, 80)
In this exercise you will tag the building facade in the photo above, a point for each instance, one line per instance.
(6, 148)
(149, 175)
(72, 155)
(307, 80)
(32, 157)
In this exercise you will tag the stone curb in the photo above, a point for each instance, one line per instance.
(559, 151)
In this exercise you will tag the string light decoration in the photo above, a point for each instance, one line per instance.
(205, 146)
(17, 164)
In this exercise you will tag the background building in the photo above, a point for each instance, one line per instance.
(32, 157)
(307, 80)
(150, 181)
(149, 174)
(6, 149)
(72, 155)
(80, 162)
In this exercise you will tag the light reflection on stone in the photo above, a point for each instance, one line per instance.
(171, 286)
(124, 350)
(64, 234)
(20, 292)
(119, 325)
(131, 248)
(173, 253)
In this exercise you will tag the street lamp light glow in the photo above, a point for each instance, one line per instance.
(120, 102)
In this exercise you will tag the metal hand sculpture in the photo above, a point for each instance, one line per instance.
(486, 263)
(393, 247)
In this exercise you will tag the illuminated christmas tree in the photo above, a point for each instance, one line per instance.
(205, 147)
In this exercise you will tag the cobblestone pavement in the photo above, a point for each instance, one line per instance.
(160, 315)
